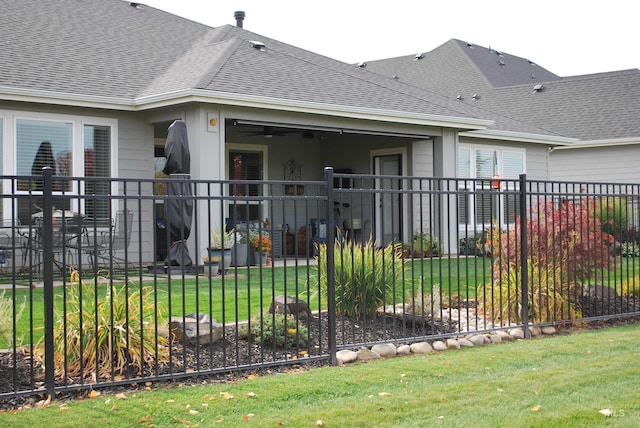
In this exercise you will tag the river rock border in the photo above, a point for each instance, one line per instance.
(388, 350)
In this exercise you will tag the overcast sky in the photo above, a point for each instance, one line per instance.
(566, 37)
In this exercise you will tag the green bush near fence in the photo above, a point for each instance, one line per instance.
(613, 214)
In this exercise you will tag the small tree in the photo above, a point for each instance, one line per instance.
(565, 236)
(565, 246)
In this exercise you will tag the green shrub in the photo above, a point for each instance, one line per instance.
(9, 314)
(630, 249)
(106, 333)
(278, 330)
(425, 244)
(549, 298)
(366, 277)
(613, 214)
(479, 245)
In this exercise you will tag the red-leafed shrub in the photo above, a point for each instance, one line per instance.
(565, 246)
(565, 236)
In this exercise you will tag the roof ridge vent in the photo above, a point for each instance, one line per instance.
(257, 45)
(418, 56)
(362, 64)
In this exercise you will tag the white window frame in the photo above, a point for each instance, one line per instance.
(10, 119)
(472, 223)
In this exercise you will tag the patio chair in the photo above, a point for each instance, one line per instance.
(105, 245)
(12, 242)
(97, 233)
(67, 233)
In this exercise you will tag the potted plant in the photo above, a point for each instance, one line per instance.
(220, 250)
(240, 250)
(260, 243)
(423, 244)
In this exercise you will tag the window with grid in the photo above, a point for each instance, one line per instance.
(50, 143)
(478, 202)
(97, 164)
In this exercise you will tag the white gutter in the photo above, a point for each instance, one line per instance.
(227, 98)
(73, 100)
(243, 100)
(524, 137)
(602, 143)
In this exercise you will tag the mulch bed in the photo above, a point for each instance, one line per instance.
(232, 351)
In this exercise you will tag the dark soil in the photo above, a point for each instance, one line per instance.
(233, 351)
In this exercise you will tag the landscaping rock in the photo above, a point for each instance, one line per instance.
(465, 343)
(195, 329)
(439, 345)
(365, 354)
(385, 350)
(421, 348)
(452, 344)
(478, 340)
(504, 335)
(290, 305)
(549, 330)
(601, 291)
(495, 338)
(516, 333)
(346, 356)
(404, 350)
(535, 331)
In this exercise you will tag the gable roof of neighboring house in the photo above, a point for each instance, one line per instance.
(603, 106)
(120, 55)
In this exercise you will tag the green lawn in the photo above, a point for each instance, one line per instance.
(560, 381)
(244, 292)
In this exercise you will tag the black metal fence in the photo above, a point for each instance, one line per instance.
(93, 296)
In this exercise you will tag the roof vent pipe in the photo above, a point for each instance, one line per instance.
(239, 15)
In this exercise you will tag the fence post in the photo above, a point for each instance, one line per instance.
(524, 256)
(330, 266)
(47, 266)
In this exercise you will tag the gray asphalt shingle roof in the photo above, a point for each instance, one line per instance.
(589, 107)
(108, 48)
(91, 47)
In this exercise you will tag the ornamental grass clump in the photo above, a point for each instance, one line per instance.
(549, 299)
(106, 330)
(10, 313)
(366, 277)
(631, 287)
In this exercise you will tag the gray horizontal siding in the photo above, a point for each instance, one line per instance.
(609, 164)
